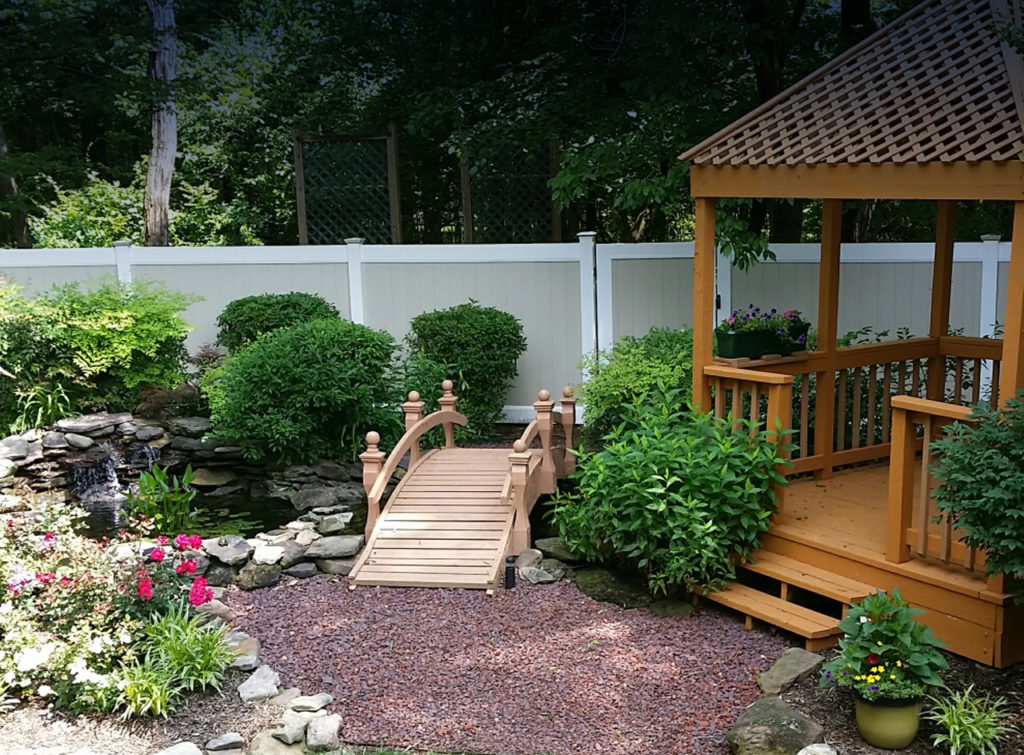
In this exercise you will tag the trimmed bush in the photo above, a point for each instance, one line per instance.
(246, 319)
(634, 367)
(305, 393)
(481, 346)
(74, 350)
(679, 496)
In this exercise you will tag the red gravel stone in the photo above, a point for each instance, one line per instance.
(539, 669)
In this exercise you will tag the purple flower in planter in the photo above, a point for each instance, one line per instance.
(802, 338)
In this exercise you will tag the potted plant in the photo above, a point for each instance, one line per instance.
(889, 661)
(753, 333)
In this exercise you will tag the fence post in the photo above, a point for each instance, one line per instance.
(123, 260)
(354, 258)
(588, 292)
(989, 313)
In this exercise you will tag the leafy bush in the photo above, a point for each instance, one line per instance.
(195, 652)
(246, 319)
(680, 495)
(633, 367)
(980, 468)
(146, 687)
(304, 393)
(74, 350)
(972, 724)
(481, 345)
(163, 499)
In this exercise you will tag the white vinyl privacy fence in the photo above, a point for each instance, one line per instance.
(571, 297)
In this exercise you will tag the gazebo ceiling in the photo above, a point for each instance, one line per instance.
(934, 92)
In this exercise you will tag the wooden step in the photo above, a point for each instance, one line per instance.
(819, 630)
(794, 573)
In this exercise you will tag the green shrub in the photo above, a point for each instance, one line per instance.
(633, 367)
(304, 393)
(980, 468)
(195, 653)
(972, 724)
(481, 345)
(679, 495)
(146, 688)
(246, 319)
(164, 499)
(74, 350)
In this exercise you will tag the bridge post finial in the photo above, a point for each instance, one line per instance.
(413, 410)
(373, 462)
(447, 404)
(519, 461)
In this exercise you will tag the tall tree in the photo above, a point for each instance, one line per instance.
(164, 122)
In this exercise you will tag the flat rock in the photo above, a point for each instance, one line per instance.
(819, 749)
(89, 423)
(302, 524)
(152, 432)
(217, 608)
(312, 498)
(553, 547)
(323, 733)
(11, 503)
(229, 549)
(254, 576)
(601, 584)
(248, 658)
(302, 571)
(529, 557)
(53, 439)
(334, 524)
(291, 554)
(79, 441)
(262, 685)
(276, 537)
(794, 664)
(213, 478)
(14, 447)
(311, 703)
(231, 740)
(771, 727)
(284, 699)
(267, 554)
(7, 468)
(102, 432)
(193, 427)
(182, 748)
(219, 575)
(265, 744)
(536, 576)
(127, 428)
(338, 566)
(332, 470)
(185, 443)
(306, 537)
(335, 546)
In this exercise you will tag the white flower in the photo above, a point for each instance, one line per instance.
(6, 607)
(32, 658)
(864, 619)
(125, 637)
(45, 690)
(97, 643)
(85, 675)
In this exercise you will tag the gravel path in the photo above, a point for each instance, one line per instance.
(540, 669)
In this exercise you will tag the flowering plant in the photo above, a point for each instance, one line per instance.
(787, 324)
(885, 653)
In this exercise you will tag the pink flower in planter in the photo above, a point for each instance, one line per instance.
(200, 593)
(186, 567)
(156, 555)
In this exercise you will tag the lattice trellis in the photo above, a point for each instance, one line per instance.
(344, 190)
(510, 201)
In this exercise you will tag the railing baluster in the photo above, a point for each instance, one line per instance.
(994, 386)
(841, 412)
(915, 378)
(958, 380)
(755, 408)
(976, 387)
(886, 401)
(872, 390)
(923, 492)
(805, 430)
(855, 443)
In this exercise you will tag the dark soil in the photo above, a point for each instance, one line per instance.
(539, 669)
(834, 710)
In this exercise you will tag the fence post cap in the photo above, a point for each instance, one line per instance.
(123, 242)
(355, 240)
(586, 234)
(990, 237)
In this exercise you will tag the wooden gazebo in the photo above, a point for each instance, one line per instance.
(930, 108)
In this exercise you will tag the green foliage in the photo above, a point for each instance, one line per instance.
(885, 652)
(634, 367)
(980, 469)
(194, 651)
(147, 687)
(164, 499)
(682, 496)
(481, 345)
(75, 350)
(40, 405)
(972, 724)
(246, 319)
(304, 393)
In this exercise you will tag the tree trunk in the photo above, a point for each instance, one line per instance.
(8, 186)
(855, 22)
(164, 124)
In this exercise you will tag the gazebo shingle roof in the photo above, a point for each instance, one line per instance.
(937, 85)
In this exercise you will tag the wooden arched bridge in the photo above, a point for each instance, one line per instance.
(458, 512)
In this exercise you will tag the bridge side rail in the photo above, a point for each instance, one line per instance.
(379, 467)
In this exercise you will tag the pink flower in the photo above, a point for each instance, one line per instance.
(199, 593)
(162, 540)
(44, 577)
(146, 588)
(195, 542)
(48, 537)
(181, 542)
(186, 567)
(157, 555)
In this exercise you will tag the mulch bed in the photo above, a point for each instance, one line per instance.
(539, 669)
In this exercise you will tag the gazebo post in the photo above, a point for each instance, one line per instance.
(703, 300)
(828, 323)
(1011, 374)
(942, 284)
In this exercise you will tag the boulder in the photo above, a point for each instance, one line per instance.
(144, 434)
(231, 550)
(267, 555)
(323, 733)
(529, 557)
(554, 567)
(262, 685)
(13, 447)
(102, 432)
(193, 427)
(794, 664)
(217, 608)
(182, 748)
(35, 453)
(248, 658)
(185, 443)
(54, 440)
(79, 441)
(265, 744)
(291, 554)
(284, 699)
(338, 566)
(312, 498)
(302, 571)
(89, 423)
(219, 575)
(127, 428)
(335, 546)
(7, 468)
(253, 576)
(231, 740)
(311, 703)
(334, 524)
(305, 537)
(11, 503)
(601, 584)
(553, 547)
(332, 470)
(213, 478)
(771, 727)
(536, 576)
(291, 728)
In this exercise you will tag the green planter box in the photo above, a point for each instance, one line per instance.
(753, 344)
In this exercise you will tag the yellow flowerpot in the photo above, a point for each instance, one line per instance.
(889, 724)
